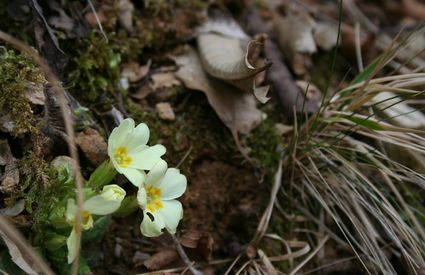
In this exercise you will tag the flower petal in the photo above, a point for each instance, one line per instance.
(135, 176)
(156, 173)
(116, 165)
(119, 134)
(98, 205)
(147, 158)
(142, 199)
(149, 227)
(113, 192)
(71, 211)
(71, 243)
(171, 213)
(172, 185)
(139, 136)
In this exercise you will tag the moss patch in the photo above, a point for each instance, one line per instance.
(16, 71)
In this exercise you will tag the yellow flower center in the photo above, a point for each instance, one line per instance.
(87, 222)
(121, 157)
(154, 203)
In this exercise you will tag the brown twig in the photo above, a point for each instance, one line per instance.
(50, 76)
(184, 256)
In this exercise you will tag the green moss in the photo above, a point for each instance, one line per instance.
(266, 146)
(16, 71)
(94, 70)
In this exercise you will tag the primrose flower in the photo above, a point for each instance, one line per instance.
(103, 204)
(129, 153)
(157, 199)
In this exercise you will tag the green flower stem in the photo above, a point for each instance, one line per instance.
(102, 176)
(128, 206)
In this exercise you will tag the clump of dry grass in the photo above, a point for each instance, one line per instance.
(342, 160)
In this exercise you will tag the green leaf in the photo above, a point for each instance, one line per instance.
(367, 123)
(99, 228)
(367, 72)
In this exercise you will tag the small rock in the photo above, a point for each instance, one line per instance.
(34, 92)
(6, 124)
(165, 111)
(10, 177)
(93, 145)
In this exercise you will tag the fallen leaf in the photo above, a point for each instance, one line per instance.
(399, 111)
(164, 80)
(165, 111)
(63, 21)
(161, 259)
(221, 24)
(311, 91)
(234, 61)
(414, 9)
(235, 108)
(325, 36)
(134, 72)
(14, 210)
(282, 129)
(295, 34)
(17, 257)
(199, 243)
(348, 44)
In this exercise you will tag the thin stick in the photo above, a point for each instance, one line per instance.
(50, 76)
(184, 256)
(97, 20)
(10, 231)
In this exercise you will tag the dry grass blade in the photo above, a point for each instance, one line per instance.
(68, 127)
(343, 164)
(265, 219)
(314, 252)
(13, 234)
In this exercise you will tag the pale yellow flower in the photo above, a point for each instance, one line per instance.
(129, 153)
(103, 204)
(157, 200)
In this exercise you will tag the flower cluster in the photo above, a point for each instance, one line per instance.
(159, 188)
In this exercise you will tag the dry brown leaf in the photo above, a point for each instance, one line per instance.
(134, 72)
(161, 259)
(311, 91)
(414, 9)
(325, 36)
(17, 257)
(34, 92)
(236, 109)
(234, 61)
(295, 34)
(164, 80)
(199, 243)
